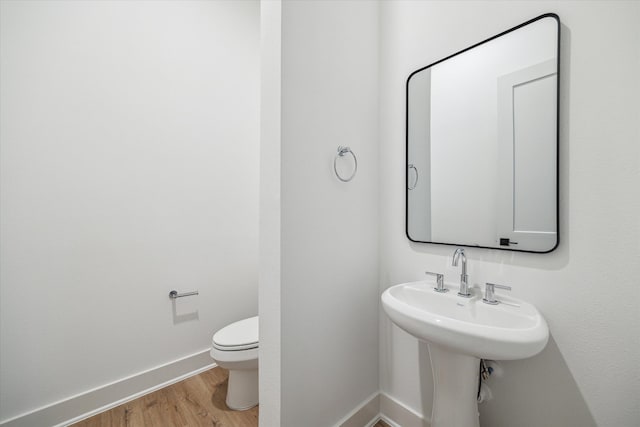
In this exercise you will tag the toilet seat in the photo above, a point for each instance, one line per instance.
(240, 335)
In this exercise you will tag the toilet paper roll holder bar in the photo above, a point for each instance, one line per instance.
(175, 294)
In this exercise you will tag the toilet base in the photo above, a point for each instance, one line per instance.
(242, 392)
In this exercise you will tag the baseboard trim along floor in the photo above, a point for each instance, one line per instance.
(397, 414)
(364, 415)
(381, 406)
(89, 403)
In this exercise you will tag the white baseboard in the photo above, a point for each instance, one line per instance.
(397, 414)
(388, 421)
(381, 406)
(364, 415)
(89, 403)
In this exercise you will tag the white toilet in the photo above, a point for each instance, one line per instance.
(235, 347)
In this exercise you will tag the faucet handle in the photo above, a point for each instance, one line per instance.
(489, 293)
(439, 282)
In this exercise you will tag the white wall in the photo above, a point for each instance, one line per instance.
(129, 136)
(270, 212)
(588, 288)
(329, 229)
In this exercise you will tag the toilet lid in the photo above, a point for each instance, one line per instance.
(240, 335)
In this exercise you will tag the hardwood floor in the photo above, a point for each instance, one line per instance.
(194, 402)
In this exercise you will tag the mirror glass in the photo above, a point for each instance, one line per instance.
(482, 142)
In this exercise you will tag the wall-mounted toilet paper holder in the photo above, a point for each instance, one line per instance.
(175, 294)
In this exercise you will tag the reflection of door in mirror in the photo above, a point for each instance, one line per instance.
(526, 140)
(482, 132)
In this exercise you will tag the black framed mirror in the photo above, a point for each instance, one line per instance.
(482, 134)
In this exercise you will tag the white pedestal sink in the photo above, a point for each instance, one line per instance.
(460, 332)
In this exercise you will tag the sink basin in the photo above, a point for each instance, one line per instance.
(460, 331)
(513, 330)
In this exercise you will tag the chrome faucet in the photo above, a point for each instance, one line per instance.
(464, 285)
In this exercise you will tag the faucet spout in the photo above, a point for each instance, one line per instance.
(464, 284)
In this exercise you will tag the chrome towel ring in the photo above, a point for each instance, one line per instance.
(415, 184)
(341, 152)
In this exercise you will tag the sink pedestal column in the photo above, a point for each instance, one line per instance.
(455, 383)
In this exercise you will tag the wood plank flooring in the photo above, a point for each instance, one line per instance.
(195, 402)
